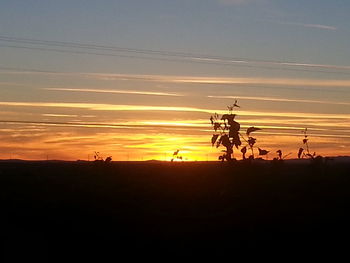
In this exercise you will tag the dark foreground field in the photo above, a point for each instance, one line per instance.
(65, 210)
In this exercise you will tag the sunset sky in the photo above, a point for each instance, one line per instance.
(139, 79)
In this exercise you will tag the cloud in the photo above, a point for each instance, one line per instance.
(318, 26)
(193, 125)
(58, 115)
(133, 92)
(278, 99)
(141, 108)
(149, 143)
(321, 26)
(225, 80)
(208, 80)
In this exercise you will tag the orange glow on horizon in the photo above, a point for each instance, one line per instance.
(146, 121)
(138, 147)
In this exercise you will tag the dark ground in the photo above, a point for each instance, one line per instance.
(75, 210)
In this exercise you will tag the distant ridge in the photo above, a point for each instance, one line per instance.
(336, 159)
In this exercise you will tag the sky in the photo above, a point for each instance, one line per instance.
(139, 79)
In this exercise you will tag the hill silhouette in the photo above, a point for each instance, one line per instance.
(56, 209)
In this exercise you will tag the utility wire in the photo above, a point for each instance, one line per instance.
(123, 126)
(166, 55)
(208, 62)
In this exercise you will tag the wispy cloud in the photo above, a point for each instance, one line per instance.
(279, 99)
(167, 126)
(57, 115)
(70, 124)
(226, 80)
(141, 108)
(321, 26)
(318, 26)
(206, 80)
(73, 144)
(102, 107)
(134, 92)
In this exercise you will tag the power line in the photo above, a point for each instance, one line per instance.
(25, 70)
(170, 60)
(104, 125)
(166, 55)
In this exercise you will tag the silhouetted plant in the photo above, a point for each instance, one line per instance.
(176, 156)
(251, 141)
(263, 152)
(279, 152)
(226, 133)
(305, 152)
(108, 159)
(280, 156)
(98, 158)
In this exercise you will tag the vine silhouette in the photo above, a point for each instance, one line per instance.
(226, 133)
(305, 152)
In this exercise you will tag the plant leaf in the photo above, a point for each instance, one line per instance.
(218, 142)
(226, 141)
(214, 138)
(251, 141)
(234, 128)
(228, 117)
(279, 154)
(216, 126)
(236, 141)
(252, 129)
(300, 152)
(263, 152)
